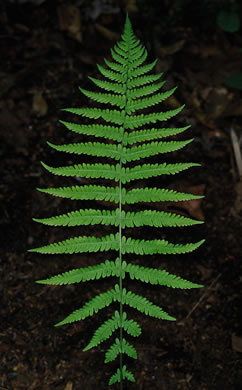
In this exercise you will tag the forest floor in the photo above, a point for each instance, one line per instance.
(46, 52)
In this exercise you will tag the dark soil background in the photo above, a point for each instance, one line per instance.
(46, 52)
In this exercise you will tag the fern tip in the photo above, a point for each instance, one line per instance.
(40, 281)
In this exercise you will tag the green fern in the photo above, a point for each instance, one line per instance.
(128, 88)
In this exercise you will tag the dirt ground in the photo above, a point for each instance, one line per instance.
(46, 52)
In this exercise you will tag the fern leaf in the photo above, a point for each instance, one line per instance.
(137, 57)
(94, 272)
(115, 378)
(81, 244)
(149, 170)
(104, 331)
(113, 351)
(142, 80)
(144, 306)
(131, 327)
(145, 247)
(151, 149)
(118, 58)
(113, 172)
(110, 217)
(108, 327)
(108, 132)
(111, 194)
(156, 218)
(93, 306)
(117, 348)
(139, 104)
(132, 122)
(87, 170)
(91, 148)
(114, 100)
(148, 135)
(156, 195)
(111, 242)
(119, 78)
(108, 86)
(161, 277)
(128, 349)
(126, 374)
(83, 217)
(121, 51)
(87, 192)
(139, 71)
(112, 116)
(114, 66)
(150, 89)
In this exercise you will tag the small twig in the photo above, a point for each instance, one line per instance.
(202, 297)
(237, 152)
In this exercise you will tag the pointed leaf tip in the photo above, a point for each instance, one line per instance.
(127, 22)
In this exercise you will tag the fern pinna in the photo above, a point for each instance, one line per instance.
(129, 89)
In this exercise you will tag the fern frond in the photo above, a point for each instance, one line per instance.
(131, 326)
(112, 116)
(117, 348)
(114, 66)
(94, 272)
(139, 104)
(156, 195)
(108, 132)
(93, 306)
(149, 247)
(108, 86)
(151, 149)
(113, 151)
(126, 374)
(139, 71)
(81, 244)
(132, 122)
(126, 88)
(146, 171)
(111, 194)
(111, 217)
(114, 76)
(91, 148)
(86, 192)
(104, 331)
(111, 242)
(151, 134)
(105, 171)
(142, 80)
(156, 218)
(83, 217)
(114, 100)
(108, 327)
(113, 351)
(128, 349)
(161, 277)
(118, 58)
(144, 306)
(150, 89)
(138, 57)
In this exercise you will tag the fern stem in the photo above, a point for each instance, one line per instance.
(120, 284)
(120, 225)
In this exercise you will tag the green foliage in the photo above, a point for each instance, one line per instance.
(129, 88)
